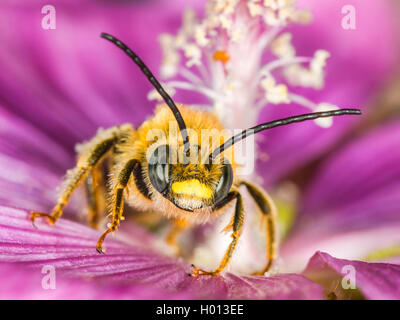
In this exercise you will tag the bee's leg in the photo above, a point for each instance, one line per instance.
(178, 226)
(236, 225)
(117, 200)
(75, 176)
(95, 196)
(94, 151)
(268, 209)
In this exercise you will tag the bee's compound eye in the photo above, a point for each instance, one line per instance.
(159, 168)
(224, 184)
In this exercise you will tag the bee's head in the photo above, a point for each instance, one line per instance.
(192, 185)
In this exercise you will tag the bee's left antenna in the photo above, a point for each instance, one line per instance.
(168, 100)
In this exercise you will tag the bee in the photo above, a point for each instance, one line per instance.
(183, 190)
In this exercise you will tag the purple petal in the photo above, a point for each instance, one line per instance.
(26, 186)
(375, 280)
(363, 169)
(68, 82)
(353, 73)
(132, 261)
(281, 287)
(21, 141)
(351, 207)
(352, 244)
(78, 289)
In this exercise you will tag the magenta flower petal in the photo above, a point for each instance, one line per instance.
(351, 207)
(22, 141)
(375, 280)
(350, 244)
(26, 186)
(353, 72)
(359, 174)
(13, 287)
(132, 263)
(69, 81)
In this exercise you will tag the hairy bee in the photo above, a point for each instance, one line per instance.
(186, 191)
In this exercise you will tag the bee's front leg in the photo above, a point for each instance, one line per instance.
(269, 213)
(117, 201)
(236, 225)
(95, 194)
(94, 151)
(75, 177)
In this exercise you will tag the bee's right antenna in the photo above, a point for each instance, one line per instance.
(168, 100)
(281, 122)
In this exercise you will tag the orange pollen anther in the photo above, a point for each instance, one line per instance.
(221, 55)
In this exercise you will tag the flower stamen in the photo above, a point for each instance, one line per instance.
(227, 48)
(221, 55)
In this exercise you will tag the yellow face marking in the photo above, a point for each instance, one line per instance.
(192, 188)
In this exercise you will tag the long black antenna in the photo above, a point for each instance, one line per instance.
(168, 100)
(281, 122)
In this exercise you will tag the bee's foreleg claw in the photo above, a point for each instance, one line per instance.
(35, 214)
(199, 272)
